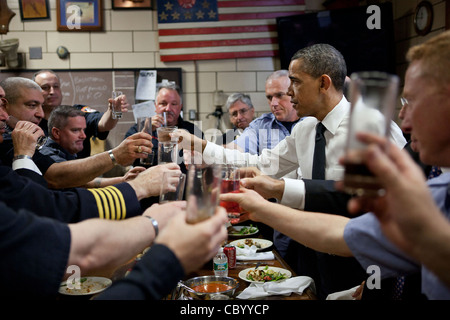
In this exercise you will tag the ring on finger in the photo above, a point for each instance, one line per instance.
(139, 149)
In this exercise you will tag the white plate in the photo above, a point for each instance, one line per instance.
(243, 273)
(237, 229)
(263, 243)
(91, 285)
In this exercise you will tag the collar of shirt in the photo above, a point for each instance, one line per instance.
(58, 151)
(334, 118)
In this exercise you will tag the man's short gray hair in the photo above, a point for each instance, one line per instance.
(278, 74)
(13, 87)
(238, 96)
(170, 85)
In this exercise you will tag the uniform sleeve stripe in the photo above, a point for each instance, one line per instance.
(105, 203)
(99, 203)
(111, 205)
(119, 200)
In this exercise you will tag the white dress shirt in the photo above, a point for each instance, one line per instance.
(26, 164)
(296, 152)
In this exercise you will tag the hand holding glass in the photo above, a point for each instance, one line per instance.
(230, 183)
(167, 146)
(116, 105)
(202, 192)
(169, 183)
(144, 124)
(372, 96)
(11, 123)
(163, 116)
(164, 133)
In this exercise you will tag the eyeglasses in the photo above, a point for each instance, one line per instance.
(404, 101)
(241, 112)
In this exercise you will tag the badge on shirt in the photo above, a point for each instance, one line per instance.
(88, 109)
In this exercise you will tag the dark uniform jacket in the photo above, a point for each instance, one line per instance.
(114, 202)
(92, 119)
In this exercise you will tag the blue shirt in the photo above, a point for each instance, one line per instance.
(368, 244)
(265, 132)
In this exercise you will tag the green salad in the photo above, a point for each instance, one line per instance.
(265, 275)
(244, 230)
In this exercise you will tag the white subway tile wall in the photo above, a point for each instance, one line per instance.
(130, 40)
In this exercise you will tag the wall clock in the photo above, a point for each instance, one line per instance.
(423, 18)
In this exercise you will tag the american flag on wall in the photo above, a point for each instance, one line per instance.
(221, 29)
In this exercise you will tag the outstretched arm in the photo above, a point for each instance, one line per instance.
(319, 231)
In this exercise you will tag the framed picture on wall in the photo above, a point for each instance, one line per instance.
(79, 15)
(131, 4)
(34, 9)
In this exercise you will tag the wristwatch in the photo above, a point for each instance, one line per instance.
(22, 156)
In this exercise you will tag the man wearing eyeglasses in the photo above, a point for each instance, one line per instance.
(267, 130)
(241, 111)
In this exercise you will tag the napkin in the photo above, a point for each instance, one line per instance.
(343, 295)
(284, 287)
(250, 253)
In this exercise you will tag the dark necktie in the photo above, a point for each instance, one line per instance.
(434, 172)
(318, 167)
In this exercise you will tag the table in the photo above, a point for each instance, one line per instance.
(207, 270)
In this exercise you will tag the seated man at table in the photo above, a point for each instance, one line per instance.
(317, 75)
(266, 131)
(241, 112)
(67, 126)
(408, 229)
(98, 123)
(23, 100)
(169, 100)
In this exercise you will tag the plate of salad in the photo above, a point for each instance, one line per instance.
(242, 231)
(264, 274)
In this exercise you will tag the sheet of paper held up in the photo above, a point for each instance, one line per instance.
(146, 85)
(144, 109)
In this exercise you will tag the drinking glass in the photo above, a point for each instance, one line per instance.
(144, 124)
(167, 146)
(202, 191)
(163, 115)
(167, 152)
(116, 106)
(230, 183)
(163, 133)
(373, 96)
(11, 122)
(177, 183)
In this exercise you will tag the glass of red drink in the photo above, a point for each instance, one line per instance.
(230, 183)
